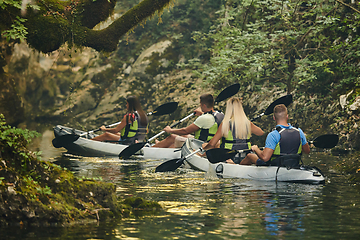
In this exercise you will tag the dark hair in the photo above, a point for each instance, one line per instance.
(134, 105)
(207, 99)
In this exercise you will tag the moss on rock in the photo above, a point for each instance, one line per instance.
(351, 167)
(35, 192)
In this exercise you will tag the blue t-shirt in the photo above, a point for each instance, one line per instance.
(273, 137)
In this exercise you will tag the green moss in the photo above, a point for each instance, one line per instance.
(96, 11)
(350, 166)
(108, 39)
(141, 206)
(44, 40)
(37, 192)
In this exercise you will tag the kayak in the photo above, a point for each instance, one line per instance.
(84, 146)
(302, 174)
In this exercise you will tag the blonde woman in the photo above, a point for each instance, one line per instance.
(235, 130)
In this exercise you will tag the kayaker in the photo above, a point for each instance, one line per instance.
(204, 127)
(235, 131)
(284, 139)
(133, 126)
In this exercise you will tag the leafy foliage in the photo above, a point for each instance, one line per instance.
(310, 46)
(17, 29)
(15, 137)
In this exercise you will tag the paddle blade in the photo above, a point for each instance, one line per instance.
(131, 150)
(62, 141)
(286, 100)
(217, 155)
(170, 165)
(326, 141)
(166, 108)
(228, 92)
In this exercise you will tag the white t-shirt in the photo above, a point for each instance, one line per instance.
(205, 121)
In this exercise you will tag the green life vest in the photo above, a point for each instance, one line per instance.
(234, 143)
(207, 134)
(134, 131)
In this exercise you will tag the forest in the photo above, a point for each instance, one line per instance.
(310, 49)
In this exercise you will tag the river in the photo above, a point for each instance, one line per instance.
(199, 205)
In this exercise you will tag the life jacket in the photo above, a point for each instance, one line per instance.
(290, 142)
(207, 134)
(234, 143)
(133, 131)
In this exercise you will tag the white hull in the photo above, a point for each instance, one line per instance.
(89, 148)
(303, 174)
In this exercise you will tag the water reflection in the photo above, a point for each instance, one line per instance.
(200, 205)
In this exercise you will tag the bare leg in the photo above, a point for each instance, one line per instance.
(249, 159)
(230, 161)
(107, 136)
(167, 142)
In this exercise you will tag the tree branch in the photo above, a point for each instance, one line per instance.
(347, 5)
(108, 39)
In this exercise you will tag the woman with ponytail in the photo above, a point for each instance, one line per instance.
(133, 126)
(235, 130)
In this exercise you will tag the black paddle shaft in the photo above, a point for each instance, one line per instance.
(286, 100)
(62, 141)
(132, 149)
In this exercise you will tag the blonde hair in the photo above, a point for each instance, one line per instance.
(236, 117)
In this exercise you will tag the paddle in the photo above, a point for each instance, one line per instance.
(217, 155)
(163, 109)
(173, 164)
(286, 100)
(133, 148)
(325, 141)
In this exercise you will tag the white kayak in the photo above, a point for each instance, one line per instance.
(84, 146)
(302, 174)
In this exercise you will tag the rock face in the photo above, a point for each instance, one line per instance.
(34, 192)
(85, 89)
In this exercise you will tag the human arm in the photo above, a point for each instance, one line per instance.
(212, 143)
(306, 148)
(182, 131)
(270, 143)
(198, 112)
(264, 155)
(116, 129)
(256, 130)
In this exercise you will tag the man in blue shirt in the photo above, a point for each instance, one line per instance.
(285, 139)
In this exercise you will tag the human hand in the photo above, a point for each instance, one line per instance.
(254, 148)
(198, 112)
(167, 129)
(204, 145)
(102, 128)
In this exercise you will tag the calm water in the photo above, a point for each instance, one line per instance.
(198, 205)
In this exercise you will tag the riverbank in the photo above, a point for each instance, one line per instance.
(350, 166)
(35, 192)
